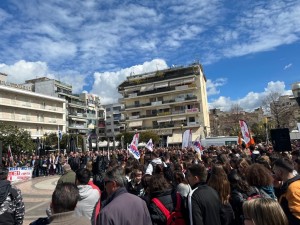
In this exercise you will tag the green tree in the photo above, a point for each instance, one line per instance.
(144, 137)
(18, 139)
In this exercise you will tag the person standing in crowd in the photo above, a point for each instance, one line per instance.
(121, 207)
(51, 164)
(260, 177)
(203, 202)
(218, 180)
(12, 208)
(263, 211)
(289, 192)
(155, 161)
(69, 175)
(135, 185)
(74, 161)
(160, 189)
(34, 164)
(64, 201)
(88, 197)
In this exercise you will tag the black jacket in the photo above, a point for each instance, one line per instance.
(168, 199)
(204, 205)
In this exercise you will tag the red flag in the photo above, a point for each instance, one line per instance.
(9, 154)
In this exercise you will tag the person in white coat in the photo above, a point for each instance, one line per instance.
(88, 197)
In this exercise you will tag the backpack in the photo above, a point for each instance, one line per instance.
(175, 217)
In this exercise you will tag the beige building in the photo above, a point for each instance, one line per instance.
(168, 102)
(36, 113)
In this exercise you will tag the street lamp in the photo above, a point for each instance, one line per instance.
(266, 128)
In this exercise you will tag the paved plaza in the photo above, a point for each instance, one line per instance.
(37, 194)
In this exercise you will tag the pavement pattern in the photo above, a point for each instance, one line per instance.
(37, 194)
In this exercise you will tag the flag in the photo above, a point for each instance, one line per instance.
(187, 139)
(9, 153)
(197, 145)
(246, 133)
(149, 145)
(133, 147)
(298, 125)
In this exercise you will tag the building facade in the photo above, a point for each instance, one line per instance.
(114, 123)
(39, 114)
(167, 102)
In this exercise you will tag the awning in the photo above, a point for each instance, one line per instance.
(179, 118)
(135, 123)
(164, 120)
(161, 85)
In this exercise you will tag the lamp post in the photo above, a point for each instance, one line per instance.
(266, 129)
(181, 126)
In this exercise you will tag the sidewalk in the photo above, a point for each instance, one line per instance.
(37, 194)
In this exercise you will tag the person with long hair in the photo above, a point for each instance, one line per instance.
(260, 177)
(218, 180)
(263, 211)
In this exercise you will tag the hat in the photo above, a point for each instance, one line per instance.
(67, 167)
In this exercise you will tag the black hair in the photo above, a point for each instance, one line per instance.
(65, 197)
(285, 164)
(199, 171)
(83, 176)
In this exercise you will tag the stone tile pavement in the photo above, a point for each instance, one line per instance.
(37, 194)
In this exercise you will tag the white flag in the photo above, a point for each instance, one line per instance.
(133, 147)
(149, 145)
(298, 124)
(187, 139)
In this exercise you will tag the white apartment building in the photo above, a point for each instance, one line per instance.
(76, 117)
(37, 113)
(168, 102)
(114, 119)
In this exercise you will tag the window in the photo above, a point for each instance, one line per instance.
(107, 109)
(135, 113)
(137, 103)
(117, 108)
(192, 119)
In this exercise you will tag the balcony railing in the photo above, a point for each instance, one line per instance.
(159, 90)
(187, 98)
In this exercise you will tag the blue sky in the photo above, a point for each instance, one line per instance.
(247, 48)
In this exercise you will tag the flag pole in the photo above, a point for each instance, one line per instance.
(58, 137)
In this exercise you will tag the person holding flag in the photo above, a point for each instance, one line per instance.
(133, 147)
(149, 145)
(197, 145)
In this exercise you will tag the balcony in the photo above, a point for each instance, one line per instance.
(158, 103)
(160, 90)
(178, 112)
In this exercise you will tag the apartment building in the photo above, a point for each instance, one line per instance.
(114, 123)
(168, 102)
(36, 113)
(76, 118)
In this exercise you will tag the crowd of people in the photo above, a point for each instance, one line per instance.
(226, 185)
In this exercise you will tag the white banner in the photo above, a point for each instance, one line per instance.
(187, 139)
(298, 124)
(19, 173)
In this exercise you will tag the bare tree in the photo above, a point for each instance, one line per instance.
(279, 108)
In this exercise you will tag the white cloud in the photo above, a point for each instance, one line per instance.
(252, 100)
(22, 70)
(106, 83)
(211, 86)
(287, 66)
